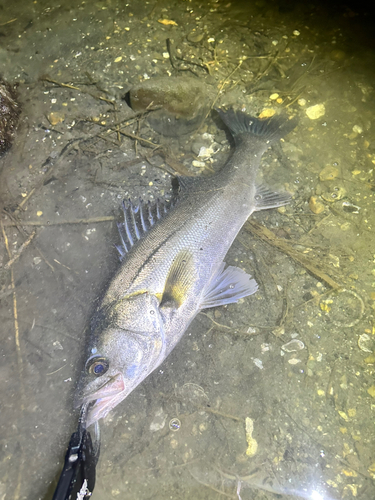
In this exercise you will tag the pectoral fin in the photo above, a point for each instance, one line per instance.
(180, 279)
(228, 286)
(265, 198)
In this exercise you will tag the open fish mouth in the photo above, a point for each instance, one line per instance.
(104, 399)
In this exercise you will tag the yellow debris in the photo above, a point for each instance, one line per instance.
(252, 445)
(343, 415)
(167, 22)
(349, 473)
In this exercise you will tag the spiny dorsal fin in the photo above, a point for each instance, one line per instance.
(180, 279)
(138, 219)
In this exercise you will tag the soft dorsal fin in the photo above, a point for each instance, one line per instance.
(180, 279)
(138, 219)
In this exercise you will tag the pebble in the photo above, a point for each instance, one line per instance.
(267, 113)
(315, 205)
(371, 391)
(337, 55)
(329, 173)
(54, 118)
(315, 112)
(195, 37)
(302, 101)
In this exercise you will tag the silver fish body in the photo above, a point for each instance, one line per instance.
(174, 267)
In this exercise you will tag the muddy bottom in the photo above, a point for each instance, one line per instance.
(272, 397)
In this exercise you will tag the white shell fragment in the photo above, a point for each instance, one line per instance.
(294, 361)
(158, 421)
(259, 363)
(293, 346)
(365, 343)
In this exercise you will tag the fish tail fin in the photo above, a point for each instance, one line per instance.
(268, 131)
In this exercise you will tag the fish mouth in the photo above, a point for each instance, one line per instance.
(105, 399)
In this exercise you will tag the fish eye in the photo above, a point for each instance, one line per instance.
(97, 365)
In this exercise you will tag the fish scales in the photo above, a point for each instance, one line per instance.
(177, 268)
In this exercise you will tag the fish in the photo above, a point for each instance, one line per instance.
(173, 266)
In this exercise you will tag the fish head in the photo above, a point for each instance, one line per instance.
(128, 344)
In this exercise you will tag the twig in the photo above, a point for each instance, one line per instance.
(93, 220)
(270, 238)
(21, 249)
(25, 234)
(8, 22)
(65, 150)
(218, 95)
(19, 354)
(68, 86)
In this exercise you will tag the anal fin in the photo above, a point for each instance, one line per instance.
(228, 286)
(266, 198)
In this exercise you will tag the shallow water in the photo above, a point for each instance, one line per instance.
(297, 358)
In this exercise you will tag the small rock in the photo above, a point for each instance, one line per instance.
(370, 360)
(267, 113)
(337, 55)
(315, 205)
(371, 391)
(315, 112)
(195, 36)
(198, 164)
(54, 118)
(302, 101)
(329, 173)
